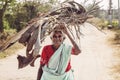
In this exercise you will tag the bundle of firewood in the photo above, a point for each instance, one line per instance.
(71, 14)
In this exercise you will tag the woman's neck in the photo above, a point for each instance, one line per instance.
(55, 47)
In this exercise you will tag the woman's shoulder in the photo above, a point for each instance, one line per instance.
(48, 46)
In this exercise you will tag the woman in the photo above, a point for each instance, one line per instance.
(55, 59)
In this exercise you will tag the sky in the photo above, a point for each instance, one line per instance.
(104, 4)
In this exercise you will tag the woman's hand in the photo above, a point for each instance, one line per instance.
(64, 29)
(77, 49)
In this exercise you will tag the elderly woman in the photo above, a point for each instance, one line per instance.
(55, 59)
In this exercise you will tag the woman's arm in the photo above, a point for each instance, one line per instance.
(76, 47)
(40, 71)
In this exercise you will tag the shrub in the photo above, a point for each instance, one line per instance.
(6, 25)
(115, 23)
(98, 22)
(6, 35)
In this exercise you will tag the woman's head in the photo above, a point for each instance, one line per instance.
(57, 37)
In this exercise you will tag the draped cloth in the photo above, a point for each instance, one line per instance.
(55, 70)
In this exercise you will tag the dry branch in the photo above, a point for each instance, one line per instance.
(70, 13)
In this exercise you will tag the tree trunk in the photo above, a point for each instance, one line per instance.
(1, 21)
(2, 12)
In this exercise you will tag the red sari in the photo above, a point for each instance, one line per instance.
(47, 52)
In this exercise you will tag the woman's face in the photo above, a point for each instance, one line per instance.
(57, 38)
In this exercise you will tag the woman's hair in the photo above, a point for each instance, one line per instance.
(57, 29)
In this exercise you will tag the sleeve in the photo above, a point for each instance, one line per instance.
(73, 51)
(43, 59)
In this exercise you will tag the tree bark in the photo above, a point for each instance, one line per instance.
(2, 12)
(1, 22)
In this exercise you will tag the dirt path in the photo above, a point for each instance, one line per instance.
(92, 64)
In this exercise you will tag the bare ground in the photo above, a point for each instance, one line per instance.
(94, 63)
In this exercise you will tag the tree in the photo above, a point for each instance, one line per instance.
(96, 8)
(3, 7)
(25, 11)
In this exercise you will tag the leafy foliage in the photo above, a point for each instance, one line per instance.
(17, 14)
(4, 6)
(23, 12)
(6, 25)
